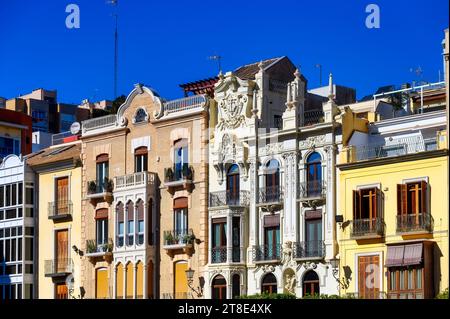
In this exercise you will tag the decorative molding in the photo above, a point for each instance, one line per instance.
(312, 142)
(232, 115)
(271, 149)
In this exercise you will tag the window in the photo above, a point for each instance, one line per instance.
(130, 223)
(140, 159)
(412, 204)
(219, 238)
(141, 116)
(61, 196)
(9, 146)
(219, 288)
(311, 285)
(233, 185)
(366, 215)
(140, 222)
(40, 120)
(272, 246)
(66, 120)
(181, 159)
(269, 284)
(102, 172)
(278, 121)
(236, 286)
(313, 237)
(102, 231)
(120, 224)
(236, 239)
(406, 283)
(314, 174)
(272, 177)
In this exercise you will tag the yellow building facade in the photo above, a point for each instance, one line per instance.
(58, 171)
(393, 234)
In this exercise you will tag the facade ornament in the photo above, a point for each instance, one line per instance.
(271, 149)
(289, 283)
(287, 255)
(312, 142)
(232, 106)
(268, 268)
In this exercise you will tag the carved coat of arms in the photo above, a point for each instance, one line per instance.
(232, 106)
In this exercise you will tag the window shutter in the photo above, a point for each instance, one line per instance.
(423, 194)
(181, 202)
(402, 199)
(120, 216)
(130, 211)
(140, 210)
(101, 213)
(356, 204)
(102, 158)
(141, 150)
(375, 203)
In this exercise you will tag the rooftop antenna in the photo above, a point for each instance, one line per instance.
(116, 16)
(320, 73)
(217, 58)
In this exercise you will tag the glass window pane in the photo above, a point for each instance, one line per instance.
(402, 280)
(419, 278)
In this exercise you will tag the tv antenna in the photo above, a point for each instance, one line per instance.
(217, 58)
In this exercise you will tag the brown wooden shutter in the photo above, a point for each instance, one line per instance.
(375, 203)
(102, 158)
(141, 150)
(130, 211)
(356, 204)
(120, 214)
(140, 210)
(402, 199)
(272, 220)
(101, 213)
(180, 143)
(423, 193)
(219, 220)
(181, 202)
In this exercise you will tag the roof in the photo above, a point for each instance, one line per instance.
(55, 154)
(248, 72)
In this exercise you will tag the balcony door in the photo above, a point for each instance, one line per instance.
(62, 252)
(181, 158)
(180, 216)
(313, 237)
(180, 282)
(219, 288)
(272, 181)
(62, 195)
(233, 185)
(311, 285)
(366, 210)
(102, 171)
(140, 159)
(314, 174)
(61, 291)
(219, 240)
(272, 237)
(368, 277)
(412, 204)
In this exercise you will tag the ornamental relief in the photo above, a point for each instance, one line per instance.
(312, 142)
(232, 106)
(271, 149)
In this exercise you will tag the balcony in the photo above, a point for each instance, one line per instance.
(60, 210)
(178, 178)
(309, 250)
(97, 252)
(97, 124)
(270, 198)
(367, 228)
(100, 190)
(59, 267)
(312, 193)
(313, 117)
(182, 240)
(395, 148)
(228, 198)
(134, 180)
(219, 255)
(414, 223)
(185, 104)
(266, 253)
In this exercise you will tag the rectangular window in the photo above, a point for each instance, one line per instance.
(181, 221)
(130, 232)
(140, 163)
(8, 195)
(219, 238)
(102, 231)
(29, 196)
(236, 239)
(20, 193)
(29, 249)
(406, 283)
(14, 194)
(102, 173)
(140, 232)
(2, 196)
(120, 229)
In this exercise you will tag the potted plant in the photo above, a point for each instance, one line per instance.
(91, 247)
(92, 187)
(168, 238)
(168, 174)
(108, 185)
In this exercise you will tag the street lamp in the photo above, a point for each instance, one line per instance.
(190, 281)
(335, 271)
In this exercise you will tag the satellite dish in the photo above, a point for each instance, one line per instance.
(75, 128)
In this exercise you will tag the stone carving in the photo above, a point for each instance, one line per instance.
(232, 106)
(289, 281)
(271, 149)
(312, 142)
(268, 268)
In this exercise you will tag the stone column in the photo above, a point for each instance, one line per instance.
(145, 292)
(125, 281)
(135, 281)
(229, 237)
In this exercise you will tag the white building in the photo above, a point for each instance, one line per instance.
(17, 229)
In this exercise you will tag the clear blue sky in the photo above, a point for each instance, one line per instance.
(165, 43)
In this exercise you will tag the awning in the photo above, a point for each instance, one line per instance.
(404, 255)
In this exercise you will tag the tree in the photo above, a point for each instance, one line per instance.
(117, 103)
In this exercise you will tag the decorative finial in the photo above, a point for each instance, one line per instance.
(330, 86)
(297, 73)
(138, 87)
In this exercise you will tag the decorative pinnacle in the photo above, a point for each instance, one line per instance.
(297, 73)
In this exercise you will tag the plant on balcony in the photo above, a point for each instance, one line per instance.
(91, 247)
(188, 172)
(168, 238)
(188, 238)
(168, 174)
(92, 187)
(107, 248)
(108, 185)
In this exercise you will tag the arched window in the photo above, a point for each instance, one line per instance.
(140, 159)
(120, 224)
(233, 185)
(311, 283)
(140, 222)
(236, 286)
(272, 176)
(130, 281)
(181, 159)
(119, 281)
(141, 116)
(269, 284)
(101, 283)
(139, 280)
(314, 174)
(130, 223)
(219, 288)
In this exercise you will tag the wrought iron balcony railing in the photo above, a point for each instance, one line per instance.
(271, 194)
(58, 267)
(100, 187)
(178, 237)
(94, 248)
(229, 198)
(313, 117)
(60, 209)
(367, 227)
(175, 174)
(266, 252)
(414, 223)
(219, 254)
(309, 249)
(312, 189)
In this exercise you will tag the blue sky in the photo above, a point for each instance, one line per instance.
(165, 43)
